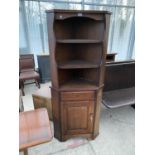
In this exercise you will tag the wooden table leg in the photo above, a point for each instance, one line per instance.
(37, 83)
(26, 152)
(22, 87)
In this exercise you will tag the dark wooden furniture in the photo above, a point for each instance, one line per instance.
(110, 57)
(27, 71)
(42, 98)
(78, 46)
(119, 87)
(44, 67)
(26, 56)
(34, 129)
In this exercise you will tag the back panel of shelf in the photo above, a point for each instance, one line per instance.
(79, 28)
(90, 75)
(84, 52)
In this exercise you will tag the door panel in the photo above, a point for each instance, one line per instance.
(77, 117)
(74, 115)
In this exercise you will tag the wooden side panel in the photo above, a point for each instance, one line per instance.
(97, 113)
(56, 113)
(52, 46)
(104, 50)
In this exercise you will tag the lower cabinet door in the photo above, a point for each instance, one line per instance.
(77, 117)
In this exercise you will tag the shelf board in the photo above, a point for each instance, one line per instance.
(79, 85)
(77, 64)
(77, 41)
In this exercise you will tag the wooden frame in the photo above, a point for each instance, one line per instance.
(78, 46)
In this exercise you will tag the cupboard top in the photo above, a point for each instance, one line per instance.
(76, 11)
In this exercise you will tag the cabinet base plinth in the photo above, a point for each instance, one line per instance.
(66, 137)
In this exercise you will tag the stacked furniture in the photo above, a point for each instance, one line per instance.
(27, 71)
(119, 87)
(42, 99)
(44, 67)
(110, 57)
(78, 46)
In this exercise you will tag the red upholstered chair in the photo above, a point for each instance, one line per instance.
(27, 71)
(34, 129)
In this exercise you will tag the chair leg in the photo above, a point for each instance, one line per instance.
(26, 152)
(22, 88)
(37, 83)
(133, 106)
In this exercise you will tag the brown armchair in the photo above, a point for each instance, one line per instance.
(27, 71)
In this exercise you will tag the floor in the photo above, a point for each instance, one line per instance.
(116, 137)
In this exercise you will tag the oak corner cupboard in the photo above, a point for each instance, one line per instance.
(78, 45)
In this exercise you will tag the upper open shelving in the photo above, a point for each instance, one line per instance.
(80, 77)
(77, 43)
(78, 55)
(82, 29)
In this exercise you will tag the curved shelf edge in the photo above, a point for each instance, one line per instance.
(78, 64)
(78, 41)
